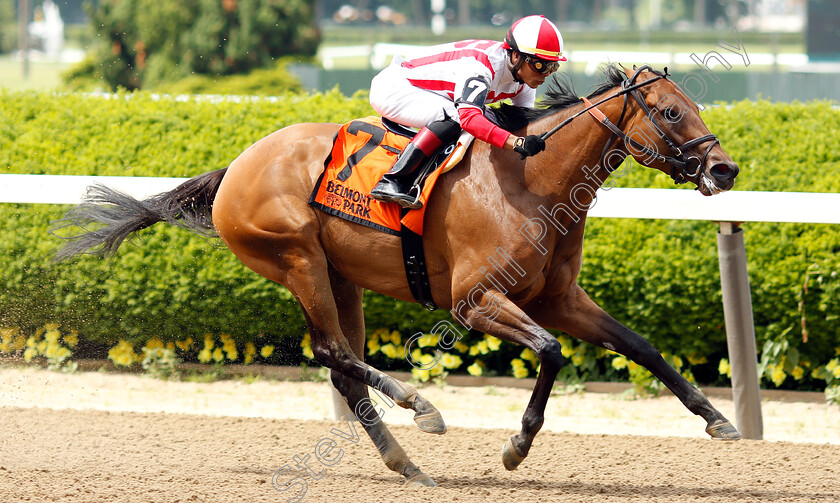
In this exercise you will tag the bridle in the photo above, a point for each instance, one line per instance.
(681, 166)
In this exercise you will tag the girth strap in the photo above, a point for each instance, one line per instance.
(414, 260)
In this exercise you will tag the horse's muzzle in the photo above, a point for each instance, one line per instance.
(723, 174)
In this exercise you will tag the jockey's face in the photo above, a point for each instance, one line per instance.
(527, 73)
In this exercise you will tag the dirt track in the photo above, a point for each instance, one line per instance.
(95, 456)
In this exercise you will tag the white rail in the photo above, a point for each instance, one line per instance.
(666, 204)
(380, 55)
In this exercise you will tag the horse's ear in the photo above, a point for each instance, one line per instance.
(666, 71)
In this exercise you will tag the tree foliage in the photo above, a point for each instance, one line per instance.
(146, 42)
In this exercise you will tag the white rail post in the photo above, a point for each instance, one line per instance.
(740, 330)
(340, 408)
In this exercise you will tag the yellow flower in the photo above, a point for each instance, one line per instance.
(461, 347)
(519, 370)
(566, 348)
(381, 333)
(31, 342)
(678, 363)
(170, 346)
(493, 343)
(29, 354)
(7, 337)
(577, 359)
(416, 354)
(420, 374)
(528, 354)
(123, 353)
(427, 340)
(306, 346)
(450, 361)
(266, 351)
(52, 336)
(390, 351)
(723, 368)
(475, 369)
(798, 372)
(696, 359)
(208, 341)
(52, 350)
(218, 355)
(425, 360)
(251, 350)
(72, 338)
(154, 343)
(9, 332)
(185, 344)
(778, 375)
(619, 363)
(19, 342)
(373, 345)
(204, 355)
(396, 338)
(42, 346)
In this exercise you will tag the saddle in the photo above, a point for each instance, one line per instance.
(363, 150)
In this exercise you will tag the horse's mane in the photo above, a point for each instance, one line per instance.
(560, 95)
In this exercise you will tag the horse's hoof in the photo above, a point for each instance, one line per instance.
(510, 458)
(723, 430)
(420, 479)
(431, 422)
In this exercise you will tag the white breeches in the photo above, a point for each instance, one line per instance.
(393, 97)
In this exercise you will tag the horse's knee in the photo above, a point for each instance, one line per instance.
(335, 356)
(550, 353)
(323, 355)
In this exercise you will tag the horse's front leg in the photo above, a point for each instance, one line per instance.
(579, 316)
(496, 315)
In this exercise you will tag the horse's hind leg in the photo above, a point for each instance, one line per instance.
(580, 317)
(303, 269)
(348, 299)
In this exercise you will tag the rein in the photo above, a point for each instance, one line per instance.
(679, 163)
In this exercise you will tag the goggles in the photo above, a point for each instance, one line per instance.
(542, 66)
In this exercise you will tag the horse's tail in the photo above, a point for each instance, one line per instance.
(115, 215)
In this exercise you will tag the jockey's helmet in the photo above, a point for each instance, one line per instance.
(536, 36)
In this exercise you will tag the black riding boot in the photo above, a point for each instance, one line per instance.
(395, 185)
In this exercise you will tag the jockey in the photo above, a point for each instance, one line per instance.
(444, 88)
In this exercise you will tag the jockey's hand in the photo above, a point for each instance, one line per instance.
(529, 145)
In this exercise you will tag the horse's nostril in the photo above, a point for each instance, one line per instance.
(723, 172)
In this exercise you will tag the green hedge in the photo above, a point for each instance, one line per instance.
(659, 277)
(172, 284)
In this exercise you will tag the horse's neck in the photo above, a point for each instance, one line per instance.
(570, 170)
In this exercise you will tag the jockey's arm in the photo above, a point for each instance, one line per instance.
(470, 108)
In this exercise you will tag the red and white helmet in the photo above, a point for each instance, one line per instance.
(537, 36)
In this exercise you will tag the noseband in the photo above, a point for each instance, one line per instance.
(683, 168)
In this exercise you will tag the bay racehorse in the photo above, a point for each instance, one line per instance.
(530, 213)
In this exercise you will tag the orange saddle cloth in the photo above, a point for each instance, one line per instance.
(363, 150)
